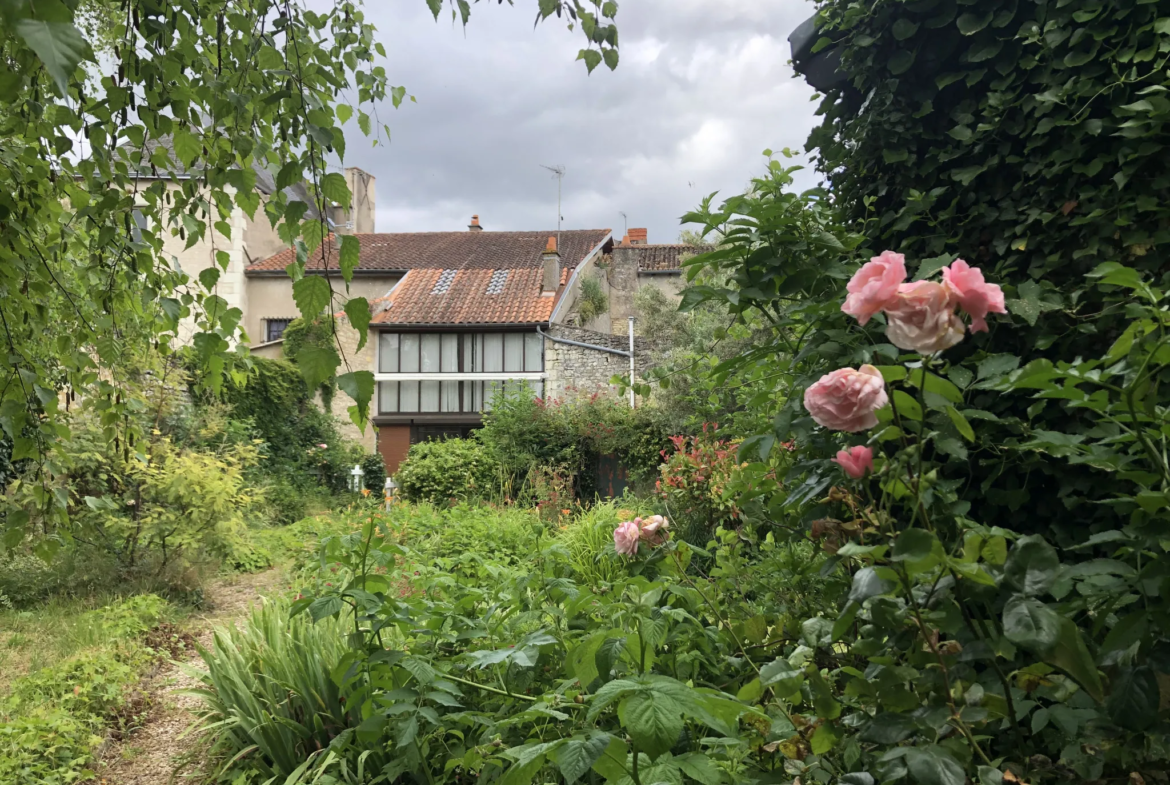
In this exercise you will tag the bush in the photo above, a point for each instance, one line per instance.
(589, 541)
(440, 471)
(374, 473)
(696, 486)
(569, 436)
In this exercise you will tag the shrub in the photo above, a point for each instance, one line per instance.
(696, 485)
(589, 541)
(374, 473)
(439, 471)
(591, 302)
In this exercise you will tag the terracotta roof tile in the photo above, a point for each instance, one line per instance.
(664, 258)
(448, 250)
(466, 300)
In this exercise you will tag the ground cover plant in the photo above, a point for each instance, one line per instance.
(475, 659)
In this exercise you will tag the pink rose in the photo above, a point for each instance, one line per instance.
(856, 461)
(654, 529)
(625, 538)
(845, 400)
(978, 298)
(921, 318)
(874, 285)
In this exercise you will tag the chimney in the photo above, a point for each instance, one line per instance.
(637, 236)
(474, 225)
(552, 267)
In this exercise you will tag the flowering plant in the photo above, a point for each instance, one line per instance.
(652, 530)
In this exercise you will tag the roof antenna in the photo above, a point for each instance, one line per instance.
(559, 173)
(625, 223)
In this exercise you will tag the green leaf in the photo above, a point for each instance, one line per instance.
(970, 24)
(888, 728)
(591, 57)
(187, 146)
(935, 384)
(209, 277)
(612, 763)
(1028, 305)
(997, 365)
(901, 61)
(913, 545)
(357, 310)
(699, 767)
(350, 255)
(358, 385)
(325, 606)
(1072, 656)
(577, 756)
(1029, 623)
(521, 773)
(653, 721)
(907, 406)
(824, 738)
(610, 56)
(1133, 699)
(59, 45)
(867, 583)
(782, 677)
(1117, 275)
(289, 174)
(961, 424)
(317, 363)
(903, 29)
(312, 294)
(335, 189)
(933, 765)
(1032, 566)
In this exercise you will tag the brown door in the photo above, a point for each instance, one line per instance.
(393, 444)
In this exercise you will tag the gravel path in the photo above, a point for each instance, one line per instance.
(150, 755)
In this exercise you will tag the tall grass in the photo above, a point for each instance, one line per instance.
(268, 692)
(589, 541)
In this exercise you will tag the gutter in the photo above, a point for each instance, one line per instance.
(660, 272)
(621, 352)
(359, 273)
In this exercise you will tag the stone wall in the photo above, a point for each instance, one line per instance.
(357, 361)
(576, 370)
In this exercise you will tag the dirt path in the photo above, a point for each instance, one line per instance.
(149, 756)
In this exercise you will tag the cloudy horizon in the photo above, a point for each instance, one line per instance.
(701, 90)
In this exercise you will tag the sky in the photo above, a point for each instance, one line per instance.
(702, 88)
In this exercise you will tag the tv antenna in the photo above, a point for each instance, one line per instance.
(625, 223)
(559, 173)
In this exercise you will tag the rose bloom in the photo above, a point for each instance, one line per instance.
(922, 318)
(846, 399)
(654, 529)
(625, 538)
(856, 461)
(874, 285)
(978, 298)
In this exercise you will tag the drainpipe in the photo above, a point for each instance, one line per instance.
(594, 346)
(631, 362)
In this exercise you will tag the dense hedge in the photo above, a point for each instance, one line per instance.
(1028, 138)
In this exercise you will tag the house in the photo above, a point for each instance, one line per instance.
(465, 315)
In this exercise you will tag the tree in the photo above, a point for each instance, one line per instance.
(205, 92)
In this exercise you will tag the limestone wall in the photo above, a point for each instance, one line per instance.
(576, 370)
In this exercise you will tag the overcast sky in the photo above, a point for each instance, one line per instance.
(703, 87)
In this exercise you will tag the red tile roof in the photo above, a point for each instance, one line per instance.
(447, 250)
(663, 258)
(466, 300)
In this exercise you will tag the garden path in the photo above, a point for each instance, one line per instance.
(150, 755)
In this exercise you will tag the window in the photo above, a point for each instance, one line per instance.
(518, 352)
(274, 328)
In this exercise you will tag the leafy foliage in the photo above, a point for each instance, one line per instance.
(591, 300)
(439, 471)
(104, 159)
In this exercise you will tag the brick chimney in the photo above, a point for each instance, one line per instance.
(474, 225)
(637, 237)
(552, 267)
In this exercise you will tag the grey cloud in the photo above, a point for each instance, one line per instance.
(702, 88)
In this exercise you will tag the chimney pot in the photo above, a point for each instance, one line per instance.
(625, 240)
(474, 225)
(551, 259)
